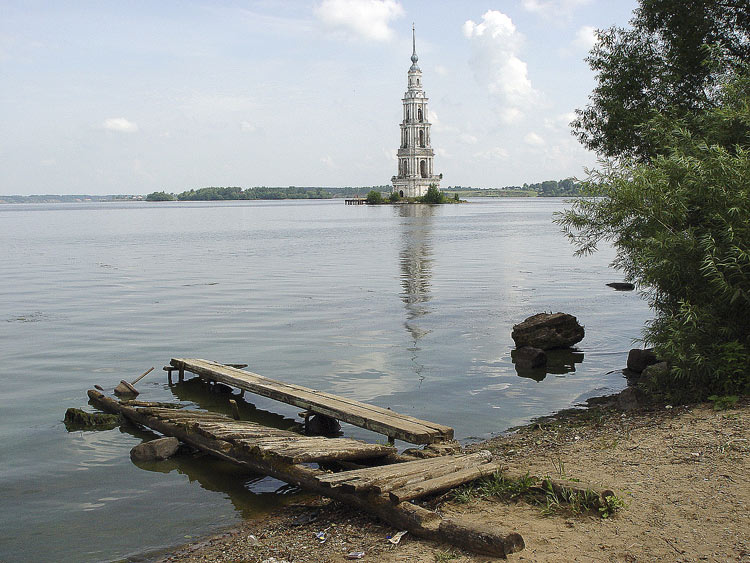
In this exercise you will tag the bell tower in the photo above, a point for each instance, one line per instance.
(415, 154)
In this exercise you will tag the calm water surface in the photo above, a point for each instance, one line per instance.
(408, 307)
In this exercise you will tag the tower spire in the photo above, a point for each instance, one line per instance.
(414, 57)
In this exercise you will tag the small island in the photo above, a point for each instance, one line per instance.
(433, 196)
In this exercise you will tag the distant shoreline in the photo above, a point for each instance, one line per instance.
(50, 198)
(549, 188)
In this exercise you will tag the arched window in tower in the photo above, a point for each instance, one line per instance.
(423, 168)
(421, 138)
(419, 115)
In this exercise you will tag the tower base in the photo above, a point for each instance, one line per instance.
(414, 187)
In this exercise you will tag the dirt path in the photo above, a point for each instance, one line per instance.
(682, 472)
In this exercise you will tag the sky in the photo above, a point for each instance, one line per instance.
(113, 97)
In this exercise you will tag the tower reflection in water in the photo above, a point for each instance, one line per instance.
(416, 261)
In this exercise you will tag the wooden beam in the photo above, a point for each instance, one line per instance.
(371, 417)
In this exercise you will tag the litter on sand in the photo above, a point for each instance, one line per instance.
(397, 537)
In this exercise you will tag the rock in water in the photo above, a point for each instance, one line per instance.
(155, 450)
(322, 425)
(547, 331)
(638, 359)
(529, 358)
(621, 286)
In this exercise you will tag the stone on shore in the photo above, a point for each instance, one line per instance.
(654, 371)
(638, 359)
(529, 357)
(548, 331)
(155, 450)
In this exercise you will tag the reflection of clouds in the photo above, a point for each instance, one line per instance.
(365, 376)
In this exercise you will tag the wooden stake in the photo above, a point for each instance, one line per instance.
(235, 409)
(144, 374)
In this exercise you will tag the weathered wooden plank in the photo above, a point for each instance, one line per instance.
(305, 397)
(443, 482)
(404, 516)
(265, 441)
(374, 418)
(315, 450)
(368, 478)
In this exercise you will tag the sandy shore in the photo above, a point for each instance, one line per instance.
(683, 473)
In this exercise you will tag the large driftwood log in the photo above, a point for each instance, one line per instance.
(406, 516)
(481, 540)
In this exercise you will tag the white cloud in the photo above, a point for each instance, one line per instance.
(510, 115)
(467, 139)
(494, 153)
(368, 19)
(328, 161)
(496, 65)
(553, 8)
(248, 127)
(585, 37)
(560, 122)
(120, 124)
(438, 126)
(390, 154)
(533, 139)
(440, 70)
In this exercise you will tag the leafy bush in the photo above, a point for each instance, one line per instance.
(374, 197)
(680, 224)
(394, 197)
(433, 195)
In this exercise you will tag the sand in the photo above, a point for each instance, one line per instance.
(682, 472)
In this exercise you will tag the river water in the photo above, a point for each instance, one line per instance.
(407, 307)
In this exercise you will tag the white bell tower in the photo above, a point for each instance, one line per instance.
(415, 154)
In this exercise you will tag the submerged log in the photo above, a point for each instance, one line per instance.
(78, 419)
(406, 516)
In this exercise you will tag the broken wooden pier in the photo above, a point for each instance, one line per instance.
(376, 479)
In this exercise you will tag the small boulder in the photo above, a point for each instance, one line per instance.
(621, 286)
(155, 450)
(654, 371)
(322, 425)
(548, 331)
(638, 359)
(529, 358)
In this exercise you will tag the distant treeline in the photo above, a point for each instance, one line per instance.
(262, 192)
(549, 188)
(236, 193)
